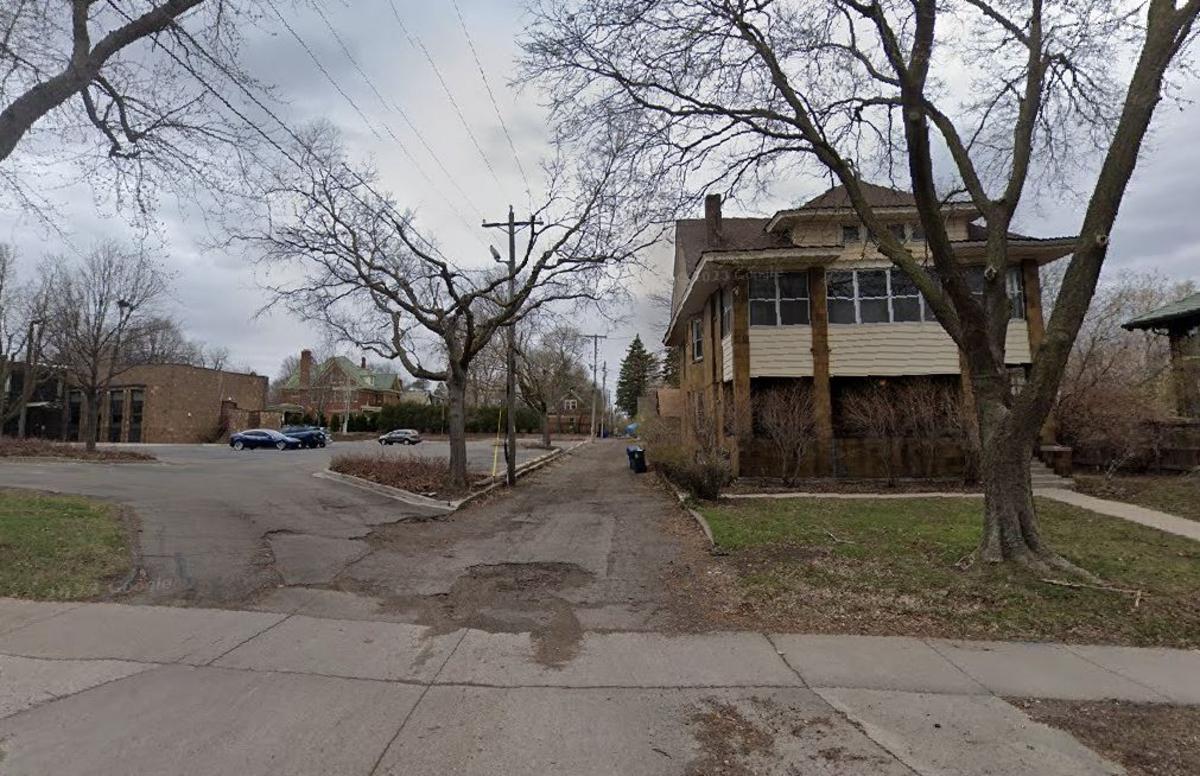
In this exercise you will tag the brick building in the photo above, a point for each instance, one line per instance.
(173, 403)
(338, 386)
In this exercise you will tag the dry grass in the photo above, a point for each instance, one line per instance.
(427, 476)
(1148, 739)
(888, 567)
(43, 448)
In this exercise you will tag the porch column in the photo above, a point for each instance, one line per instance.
(1032, 280)
(822, 396)
(739, 332)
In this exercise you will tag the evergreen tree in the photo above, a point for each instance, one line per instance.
(637, 373)
(670, 366)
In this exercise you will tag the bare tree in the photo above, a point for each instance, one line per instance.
(787, 417)
(370, 277)
(737, 92)
(97, 318)
(549, 367)
(139, 85)
(22, 313)
(873, 412)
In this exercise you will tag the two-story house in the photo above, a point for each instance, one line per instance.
(806, 295)
(338, 385)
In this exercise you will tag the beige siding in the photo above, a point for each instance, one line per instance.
(727, 359)
(893, 349)
(781, 351)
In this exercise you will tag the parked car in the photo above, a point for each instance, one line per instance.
(263, 437)
(309, 436)
(401, 436)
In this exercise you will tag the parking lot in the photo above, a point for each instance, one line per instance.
(217, 526)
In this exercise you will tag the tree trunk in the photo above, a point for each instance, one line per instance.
(92, 426)
(545, 427)
(456, 427)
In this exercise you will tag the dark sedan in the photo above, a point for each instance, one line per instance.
(309, 436)
(263, 437)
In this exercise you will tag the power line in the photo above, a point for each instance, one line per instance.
(416, 42)
(400, 143)
(492, 96)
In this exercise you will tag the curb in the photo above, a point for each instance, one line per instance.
(699, 518)
(397, 494)
(525, 468)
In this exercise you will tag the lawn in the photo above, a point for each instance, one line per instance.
(889, 567)
(1177, 494)
(59, 547)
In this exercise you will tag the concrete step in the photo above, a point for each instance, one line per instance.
(1042, 476)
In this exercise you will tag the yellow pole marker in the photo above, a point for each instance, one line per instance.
(496, 445)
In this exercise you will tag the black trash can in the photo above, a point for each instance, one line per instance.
(637, 460)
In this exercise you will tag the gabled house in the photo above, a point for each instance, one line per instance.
(338, 385)
(804, 295)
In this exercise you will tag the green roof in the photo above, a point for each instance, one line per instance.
(1188, 307)
(362, 378)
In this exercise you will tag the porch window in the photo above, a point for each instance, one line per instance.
(840, 293)
(851, 234)
(1014, 285)
(906, 299)
(762, 299)
(726, 311)
(873, 296)
(779, 299)
(697, 339)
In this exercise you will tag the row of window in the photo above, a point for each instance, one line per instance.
(855, 296)
(853, 234)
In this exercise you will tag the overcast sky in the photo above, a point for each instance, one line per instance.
(217, 292)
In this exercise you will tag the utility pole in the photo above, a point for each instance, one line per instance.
(32, 353)
(510, 388)
(595, 358)
(604, 399)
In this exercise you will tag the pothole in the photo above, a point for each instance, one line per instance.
(509, 598)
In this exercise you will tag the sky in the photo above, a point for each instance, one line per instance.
(438, 170)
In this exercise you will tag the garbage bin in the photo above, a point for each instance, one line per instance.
(637, 460)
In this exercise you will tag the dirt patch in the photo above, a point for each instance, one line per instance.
(1148, 739)
(42, 448)
(425, 476)
(508, 598)
(729, 742)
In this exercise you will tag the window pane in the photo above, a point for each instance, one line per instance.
(873, 310)
(762, 313)
(793, 285)
(1016, 294)
(872, 283)
(793, 312)
(841, 285)
(974, 278)
(906, 308)
(762, 285)
(851, 235)
(902, 284)
(918, 232)
(841, 310)
(897, 231)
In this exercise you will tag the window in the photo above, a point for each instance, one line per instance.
(116, 414)
(793, 298)
(873, 296)
(840, 293)
(897, 231)
(779, 299)
(697, 339)
(1013, 283)
(762, 299)
(918, 232)
(570, 405)
(726, 311)
(136, 403)
(906, 299)
(851, 234)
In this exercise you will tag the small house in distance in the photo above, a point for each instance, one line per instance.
(1180, 321)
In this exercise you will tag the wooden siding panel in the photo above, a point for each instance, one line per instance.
(868, 350)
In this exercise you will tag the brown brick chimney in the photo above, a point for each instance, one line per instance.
(306, 361)
(363, 364)
(712, 219)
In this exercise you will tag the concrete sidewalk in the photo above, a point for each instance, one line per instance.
(110, 688)
(1149, 517)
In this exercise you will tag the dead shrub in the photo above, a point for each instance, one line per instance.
(411, 473)
(11, 447)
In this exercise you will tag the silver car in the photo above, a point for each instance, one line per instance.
(401, 436)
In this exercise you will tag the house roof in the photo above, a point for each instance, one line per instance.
(691, 237)
(361, 378)
(877, 196)
(1180, 311)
